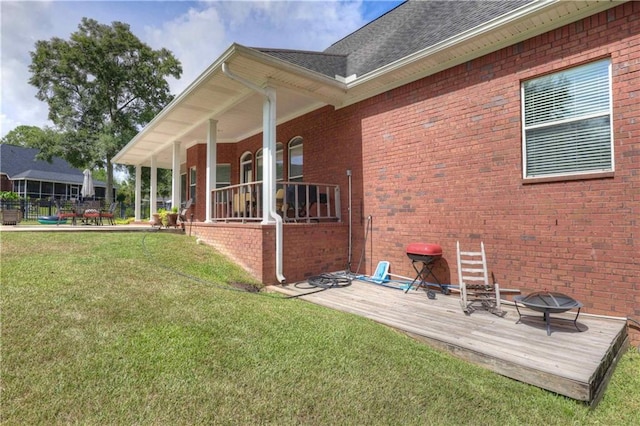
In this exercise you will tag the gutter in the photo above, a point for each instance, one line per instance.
(269, 135)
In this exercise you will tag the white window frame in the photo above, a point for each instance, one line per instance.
(295, 144)
(246, 159)
(565, 146)
(279, 161)
(183, 188)
(193, 179)
(259, 164)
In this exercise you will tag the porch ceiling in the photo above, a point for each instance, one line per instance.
(238, 110)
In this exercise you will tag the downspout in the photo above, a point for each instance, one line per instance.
(269, 135)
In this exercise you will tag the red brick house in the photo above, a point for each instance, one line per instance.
(513, 123)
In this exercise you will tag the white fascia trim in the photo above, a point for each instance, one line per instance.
(528, 10)
(289, 67)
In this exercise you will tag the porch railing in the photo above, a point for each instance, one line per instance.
(295, 202)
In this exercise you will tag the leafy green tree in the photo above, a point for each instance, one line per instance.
(27, 136)
(102, 86)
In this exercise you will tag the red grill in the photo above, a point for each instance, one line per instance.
(422, 251)
(423, 256)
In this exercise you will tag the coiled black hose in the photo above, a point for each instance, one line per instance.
(322, 282)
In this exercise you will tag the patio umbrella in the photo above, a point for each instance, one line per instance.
(87, 185)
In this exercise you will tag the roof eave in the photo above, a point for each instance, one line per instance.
(336, 88)
(486, 31)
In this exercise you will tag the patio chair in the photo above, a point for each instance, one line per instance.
(66, 212)
(243, 204)
(280, 201)
(182, 217)
(475, 289)
(297, 205)
(91, 212)
(109, 214)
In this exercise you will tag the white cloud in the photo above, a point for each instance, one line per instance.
(196, 33)
(22, 23)
(196, 38)
(202, 33)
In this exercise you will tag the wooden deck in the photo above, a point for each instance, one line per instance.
(568, 362)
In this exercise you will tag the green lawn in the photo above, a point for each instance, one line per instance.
(133, 328)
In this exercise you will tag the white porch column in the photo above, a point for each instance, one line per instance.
(138, 194)
(268, 154)
(212, 139)
(175, 176)
(269, 137)
(153, 190)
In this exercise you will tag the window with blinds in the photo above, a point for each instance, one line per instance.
(567, 122)
(223, 175)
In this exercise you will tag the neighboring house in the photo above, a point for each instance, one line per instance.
(514, 123)
(29, 177)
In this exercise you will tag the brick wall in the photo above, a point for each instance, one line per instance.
(440, 160)
(308, 249)
(443, 163)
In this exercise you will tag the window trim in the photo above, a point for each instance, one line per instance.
(246, 158)
(280, 150)
(568, 175)
(297, 141)
(260, 162)
(193, 180)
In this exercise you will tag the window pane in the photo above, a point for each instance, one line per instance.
(571, 147)
(246, 168)
(183, 187)
(192, 184)
(295, 160)
(223, 175)
(567, 122)
(573, 93)
(259, 165)
(279, 161)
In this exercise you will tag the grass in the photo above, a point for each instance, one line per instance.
(99, 328)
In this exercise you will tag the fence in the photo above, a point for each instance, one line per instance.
(32, 209)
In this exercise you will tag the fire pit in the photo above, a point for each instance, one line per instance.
(548, 303)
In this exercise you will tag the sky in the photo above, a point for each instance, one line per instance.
(196, 32)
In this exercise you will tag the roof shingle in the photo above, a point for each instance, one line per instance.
(409, 28)
(18, 162)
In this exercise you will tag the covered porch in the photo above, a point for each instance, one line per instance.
(251, 193)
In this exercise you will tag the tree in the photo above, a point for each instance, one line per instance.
(27, 136)
(102, 86)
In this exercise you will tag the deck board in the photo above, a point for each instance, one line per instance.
(569, 362)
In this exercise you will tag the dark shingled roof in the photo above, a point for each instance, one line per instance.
(410, 27)
(324, 63)
(18, 162)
